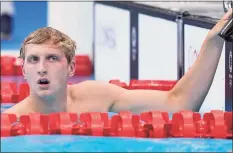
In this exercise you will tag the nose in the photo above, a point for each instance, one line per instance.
(42, 69)
(42, 72)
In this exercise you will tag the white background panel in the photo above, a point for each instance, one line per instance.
(157, 48)
(112, 46)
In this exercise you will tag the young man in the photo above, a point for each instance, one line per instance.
(48, 62)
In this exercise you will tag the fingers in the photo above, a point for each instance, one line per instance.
(228, 15)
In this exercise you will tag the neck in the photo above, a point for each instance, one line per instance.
(49, 104)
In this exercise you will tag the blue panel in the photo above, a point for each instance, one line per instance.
(28, 17)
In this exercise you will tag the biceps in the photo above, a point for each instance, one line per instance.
(142, 100)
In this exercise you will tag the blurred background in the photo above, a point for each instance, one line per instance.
(119, 40)
(76, 18)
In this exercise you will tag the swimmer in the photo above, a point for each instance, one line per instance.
(48, 54)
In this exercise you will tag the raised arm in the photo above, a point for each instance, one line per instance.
(191, 89)
(194, 86)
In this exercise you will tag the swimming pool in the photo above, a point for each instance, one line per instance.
(73, 143)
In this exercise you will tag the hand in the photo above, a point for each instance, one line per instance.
(220, 24)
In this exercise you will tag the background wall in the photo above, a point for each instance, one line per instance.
(76, 20)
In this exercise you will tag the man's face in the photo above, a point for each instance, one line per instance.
(46, 69)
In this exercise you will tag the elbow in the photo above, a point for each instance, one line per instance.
(182, 105)
(179, 103)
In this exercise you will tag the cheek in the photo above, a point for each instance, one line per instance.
(58, 69)
(60, 72)
(30, 71)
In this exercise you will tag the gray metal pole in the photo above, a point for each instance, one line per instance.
(180, 45)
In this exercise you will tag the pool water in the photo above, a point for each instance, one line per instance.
(64, 143)
(73, 143)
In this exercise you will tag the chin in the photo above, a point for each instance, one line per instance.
(45, 93)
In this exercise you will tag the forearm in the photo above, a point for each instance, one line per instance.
(192, 89)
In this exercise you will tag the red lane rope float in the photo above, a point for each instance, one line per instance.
(157, 123)
(164, 85)
(151, 124)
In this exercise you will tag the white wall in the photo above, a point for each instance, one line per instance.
(157, 48)
(76, 20)
(7, 7)
(112, 43)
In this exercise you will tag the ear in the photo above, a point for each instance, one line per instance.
(23, 71)
(71, 68)
(22, 68)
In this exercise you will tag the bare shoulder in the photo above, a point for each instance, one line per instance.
(97, 89)
(18, 109)
(90, 84)
(93, 85)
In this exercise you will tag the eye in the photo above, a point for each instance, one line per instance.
(53, 58)
(33, 59)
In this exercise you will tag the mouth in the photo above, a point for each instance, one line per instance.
(43, 82)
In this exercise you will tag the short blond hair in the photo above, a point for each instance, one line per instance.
(53, 36)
